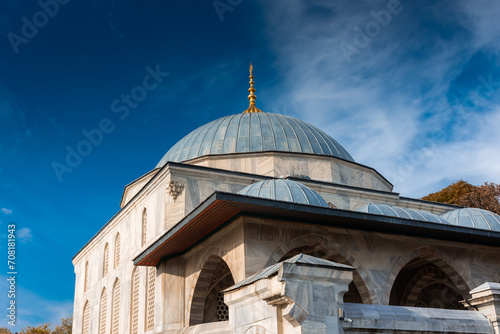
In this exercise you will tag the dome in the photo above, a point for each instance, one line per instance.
(254, 132)
(284, 190)
(393, 211)
(472, 217)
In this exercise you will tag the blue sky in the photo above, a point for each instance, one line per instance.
(410, 88)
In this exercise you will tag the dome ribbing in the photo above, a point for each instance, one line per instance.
(284, 190)
(472, 217)
(254, 132)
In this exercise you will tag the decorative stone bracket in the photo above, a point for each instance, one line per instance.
(300, 295)
(175, 188)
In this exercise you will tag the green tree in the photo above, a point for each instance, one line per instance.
(462, 193)
(65, 327)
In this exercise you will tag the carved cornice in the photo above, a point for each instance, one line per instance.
(221, 176)
(354, 193)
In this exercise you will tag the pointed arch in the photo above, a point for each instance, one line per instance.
(115, 308)
(103, 313)
(144, 234)
(117, 250)
(496, 279)
(322, 247)
(150, 298)
(86, 277)
(86, 318)
(207, 304)
(105, 264)
(134, 298)
(222, 253)
(461, 281)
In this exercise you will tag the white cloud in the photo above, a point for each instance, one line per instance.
(6, 211)
(482, 17)
(34, 309)
(24, 234)
(384, 105)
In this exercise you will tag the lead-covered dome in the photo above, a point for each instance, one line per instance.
(284, 190)
(394, 211)
(472, 217)
(254, 132)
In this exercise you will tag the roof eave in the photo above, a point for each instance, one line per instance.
(223, 208)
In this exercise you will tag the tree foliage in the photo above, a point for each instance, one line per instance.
(40, 329)
(65, 327)
(486, 196)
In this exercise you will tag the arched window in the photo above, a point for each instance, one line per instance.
(215, 276)
(134, 306)
(86, 277)
(115, 313)
(150, 299)
(144, 227)
(105, 268)
(117, 250)
(86, 319)
(422, 283)
(104, 311)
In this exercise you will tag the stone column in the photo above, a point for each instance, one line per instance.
(316, 295)
(486, 299)
(172, 298)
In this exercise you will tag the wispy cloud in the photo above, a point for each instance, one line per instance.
(392, 105)
(35, 309)
(25, 235)
(6, 211)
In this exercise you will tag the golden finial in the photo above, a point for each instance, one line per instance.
(252, 97)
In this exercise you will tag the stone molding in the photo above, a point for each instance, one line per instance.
(212, 175)
(486, 299)
(292, 294)
(174, 189)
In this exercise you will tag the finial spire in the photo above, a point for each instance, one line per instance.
(252, 96)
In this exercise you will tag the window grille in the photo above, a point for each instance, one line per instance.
(86, 279)
(104, 311)
(222, 309)
(150, 301)
(86, 319)
(106, 260)
(134, 309)
(117, 250)
(115, 320)
(144, 227)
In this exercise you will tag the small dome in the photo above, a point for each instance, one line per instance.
(254, 132)
(284, 190)
(394, 211)
(472, 217)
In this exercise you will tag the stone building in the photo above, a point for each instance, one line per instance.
(262, 223)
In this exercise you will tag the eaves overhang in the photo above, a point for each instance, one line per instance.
(221, 209)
